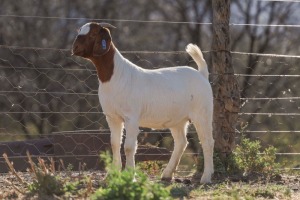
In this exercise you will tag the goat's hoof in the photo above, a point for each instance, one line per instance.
(205, 180)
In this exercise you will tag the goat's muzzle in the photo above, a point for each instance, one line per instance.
(76, 50)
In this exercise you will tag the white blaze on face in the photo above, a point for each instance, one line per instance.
(84, 29)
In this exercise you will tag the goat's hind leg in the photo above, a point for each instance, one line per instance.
(180, 143)
(204, 130)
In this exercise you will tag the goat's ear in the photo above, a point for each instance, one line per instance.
(102, 42)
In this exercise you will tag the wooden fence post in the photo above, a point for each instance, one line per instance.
(225, 86)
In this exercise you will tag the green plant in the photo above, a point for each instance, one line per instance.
(152, 168)
(249, 157)
(70, 167)
(71, 186)
(220, 166)
(45, 182)
(128, 184)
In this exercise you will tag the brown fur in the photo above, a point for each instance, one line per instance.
(89, 47)
(105, 64)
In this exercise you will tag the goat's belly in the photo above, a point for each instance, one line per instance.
(163, 113)
(162, 122)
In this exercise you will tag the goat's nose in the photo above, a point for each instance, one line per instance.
(77, 50)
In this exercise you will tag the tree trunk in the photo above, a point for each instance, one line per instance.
(225, 86)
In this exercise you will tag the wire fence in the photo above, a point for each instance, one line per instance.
(46, 92)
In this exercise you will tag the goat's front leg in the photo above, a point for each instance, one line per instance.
(130, 146)
(116, 129)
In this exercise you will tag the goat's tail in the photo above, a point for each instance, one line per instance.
(197, 56)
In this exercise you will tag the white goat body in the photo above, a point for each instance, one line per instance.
(162, 98)
(159, 98)
(134, 97)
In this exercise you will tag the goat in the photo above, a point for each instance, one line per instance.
(134, 97)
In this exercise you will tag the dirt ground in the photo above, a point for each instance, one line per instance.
(12, 188)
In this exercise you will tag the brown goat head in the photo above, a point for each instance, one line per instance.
(93, 40)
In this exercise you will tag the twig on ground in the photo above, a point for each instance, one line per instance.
(12, 169)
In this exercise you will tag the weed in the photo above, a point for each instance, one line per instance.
(221, 166)
(249, 158)
(71, 186)
(46, 184)
(128, 184)
(152, 168)
(70, 167)
(14, 172)
(122, 185)
(12, 169)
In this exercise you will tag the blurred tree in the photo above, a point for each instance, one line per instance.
(225, 86)
(265, 39)
(258, 39)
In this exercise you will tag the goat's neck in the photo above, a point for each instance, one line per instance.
(105, 64)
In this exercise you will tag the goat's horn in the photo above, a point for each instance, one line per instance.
(106, 25)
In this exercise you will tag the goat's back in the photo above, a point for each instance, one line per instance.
(160, 98)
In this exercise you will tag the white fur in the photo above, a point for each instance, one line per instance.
(162, 98)
(85, 29)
